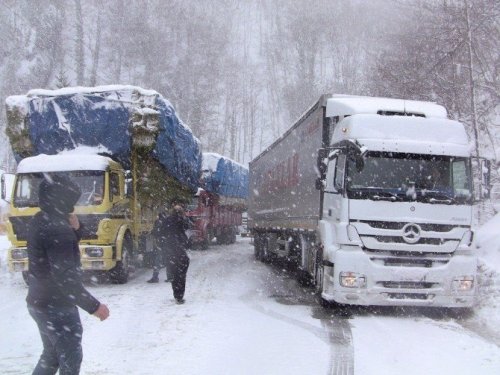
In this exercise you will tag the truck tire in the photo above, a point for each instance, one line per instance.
(206, 241)
(257, 247)
(120, 273)
(232, 236)
(266, 256)
(25, 277)
(221, 237)
(318, 279)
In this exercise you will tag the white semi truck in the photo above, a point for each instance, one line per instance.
(372, 200)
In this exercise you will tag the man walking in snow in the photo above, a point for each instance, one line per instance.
(54, 279)
(174, 231)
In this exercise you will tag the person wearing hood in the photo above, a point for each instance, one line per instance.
(55, 286)
(174, 232)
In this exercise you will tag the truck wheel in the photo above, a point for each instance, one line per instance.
(256, 247)
(206, 241)
(221, 238)
(264, 252)
(25, 277)
(319, 270)
(120, 273)
(232, 237)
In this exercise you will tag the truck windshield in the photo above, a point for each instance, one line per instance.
(91, 184)
(404, 177)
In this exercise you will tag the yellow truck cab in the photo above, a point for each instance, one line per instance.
(104, 210)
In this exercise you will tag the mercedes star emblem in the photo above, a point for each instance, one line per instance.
(411, 233)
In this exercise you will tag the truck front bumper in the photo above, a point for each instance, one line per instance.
(93, 258)
(356, 279)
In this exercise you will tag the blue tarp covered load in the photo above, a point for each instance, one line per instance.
(103, 117)
(224, 176)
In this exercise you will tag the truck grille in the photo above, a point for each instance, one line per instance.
(408, 259)
(393, 236)
(90, 225)
(20, 225)
(398, 225)
(422, 241)
(406, 284)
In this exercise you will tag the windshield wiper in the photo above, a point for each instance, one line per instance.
(438, 197)
(384, 196)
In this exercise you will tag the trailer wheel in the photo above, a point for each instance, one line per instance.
(266, 256)
(256, 246)
(120, 273)
(232, 236)
(257, 243)
(206, 241)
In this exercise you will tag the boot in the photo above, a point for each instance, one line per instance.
(154, 278)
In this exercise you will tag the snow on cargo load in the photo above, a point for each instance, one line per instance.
(224, 176)
(111, 117)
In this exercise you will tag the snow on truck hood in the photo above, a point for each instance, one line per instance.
(419, 135)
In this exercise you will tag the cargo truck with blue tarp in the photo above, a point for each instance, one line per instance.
(216, 209)
(125, 147)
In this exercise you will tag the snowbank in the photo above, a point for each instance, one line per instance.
(488, 246)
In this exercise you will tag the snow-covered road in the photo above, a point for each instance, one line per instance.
(244, 317)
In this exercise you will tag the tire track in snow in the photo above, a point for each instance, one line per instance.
(336, 331)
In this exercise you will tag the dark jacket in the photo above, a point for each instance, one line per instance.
(55, 276)
(173, 230)
(158, 229)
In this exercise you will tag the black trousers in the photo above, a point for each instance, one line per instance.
(159, 261)
(178, 266)
(61, 332)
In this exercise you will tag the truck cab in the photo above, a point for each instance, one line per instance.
(397, 209)
(103, 210)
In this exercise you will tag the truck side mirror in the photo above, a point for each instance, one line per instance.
(322, 161)
(320, 183)
(128, 184)
(3, 187)
(6, 186)
(485, 166)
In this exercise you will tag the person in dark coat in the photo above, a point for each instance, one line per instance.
(159, 250)
(174, 231)
(55, 286)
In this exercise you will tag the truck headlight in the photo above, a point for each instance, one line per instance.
(352, 280)
(463, 283)
(18, 254)
(94, 252)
